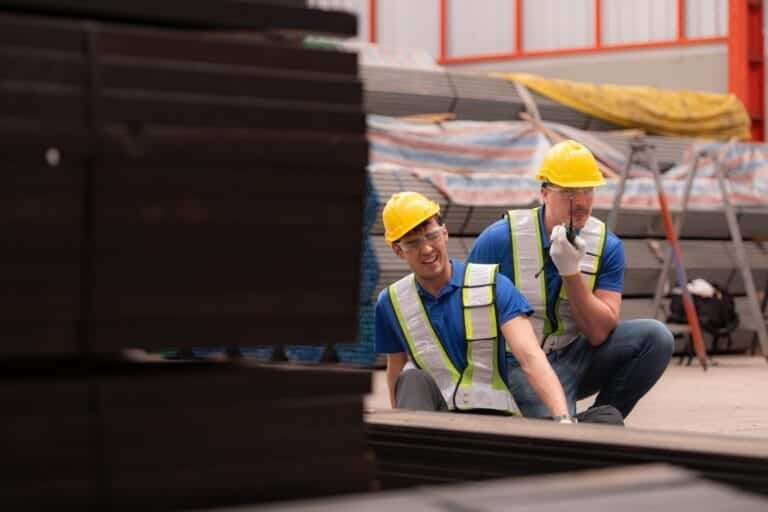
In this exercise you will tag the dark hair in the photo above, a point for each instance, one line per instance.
(438, 218)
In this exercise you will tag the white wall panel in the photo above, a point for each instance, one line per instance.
(358, 7)
(630, 21)
(706, 18)
(552, 24)
(408, 24)
(480, 27)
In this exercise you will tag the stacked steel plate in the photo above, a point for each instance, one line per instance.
(630, 489)
(419, 448)
(177, 174)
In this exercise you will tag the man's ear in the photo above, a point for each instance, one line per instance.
(543, 193)
(397, 250)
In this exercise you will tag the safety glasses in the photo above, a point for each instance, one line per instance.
(430, 237)
(572, 193)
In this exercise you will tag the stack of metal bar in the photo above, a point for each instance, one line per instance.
(630, 489)
(175, 175)
(418, 448)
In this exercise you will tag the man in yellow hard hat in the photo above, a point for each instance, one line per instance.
(446, 320)
(570, 268)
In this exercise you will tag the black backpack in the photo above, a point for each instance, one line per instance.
(714, 313)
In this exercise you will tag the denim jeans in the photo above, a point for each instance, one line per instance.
(621, 370)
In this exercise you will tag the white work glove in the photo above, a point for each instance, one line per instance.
(565, 256)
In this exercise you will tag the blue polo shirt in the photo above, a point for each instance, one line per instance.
(445, 313)
(494, 246)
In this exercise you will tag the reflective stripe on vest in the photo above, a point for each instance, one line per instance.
(426, 349)
(527, 262)
(480, 385)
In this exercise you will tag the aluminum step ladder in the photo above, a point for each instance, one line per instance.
(738, 244)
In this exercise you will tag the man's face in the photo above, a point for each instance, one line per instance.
(558, 202)
(424, 249)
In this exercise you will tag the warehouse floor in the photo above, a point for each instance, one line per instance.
(730, 398)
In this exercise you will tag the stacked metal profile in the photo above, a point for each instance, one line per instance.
(420, 448)
(167, 183)
(475, 97)
(630, 489)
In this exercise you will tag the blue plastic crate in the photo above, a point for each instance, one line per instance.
(207, 352)
(263, 353)
(371, 205)
(369, 272)
(361, 353)
(304, 353)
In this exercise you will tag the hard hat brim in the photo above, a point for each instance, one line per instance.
(573, 184)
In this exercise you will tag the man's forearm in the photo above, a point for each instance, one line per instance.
(545, 383)
(521, 340)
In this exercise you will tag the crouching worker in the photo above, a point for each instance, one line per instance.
(571, 270)
(448, 321)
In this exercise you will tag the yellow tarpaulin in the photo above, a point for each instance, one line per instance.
(656, 111)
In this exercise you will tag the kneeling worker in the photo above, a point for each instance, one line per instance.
(571, 270)
(448, 320)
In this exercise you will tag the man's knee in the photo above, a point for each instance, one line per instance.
(647, 335)
(660, 338)
(416, 389)
(413, 379)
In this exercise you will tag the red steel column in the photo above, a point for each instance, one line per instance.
(746, 70)
(680, 20)
(442, 29)
(518, 27)
(372, 21)
(598, 6)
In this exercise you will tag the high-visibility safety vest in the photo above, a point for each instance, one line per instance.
(479, 385)
(555, 331)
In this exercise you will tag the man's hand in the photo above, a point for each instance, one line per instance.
(565, 418)
(565, 256)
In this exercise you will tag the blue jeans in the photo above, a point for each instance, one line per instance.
(622, 370)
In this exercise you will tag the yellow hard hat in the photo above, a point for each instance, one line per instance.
(568, 164)
(404, 211)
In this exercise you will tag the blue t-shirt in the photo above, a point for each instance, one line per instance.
(445, 313)
(494, 246)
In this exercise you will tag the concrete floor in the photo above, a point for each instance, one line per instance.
(730, 398)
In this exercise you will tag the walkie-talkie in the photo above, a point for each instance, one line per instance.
(570, 232)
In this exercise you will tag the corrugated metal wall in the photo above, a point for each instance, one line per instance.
(473, 30)
(408, 24)
(630, 21)
(488, 26)
(556, 24)
(706, 18)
